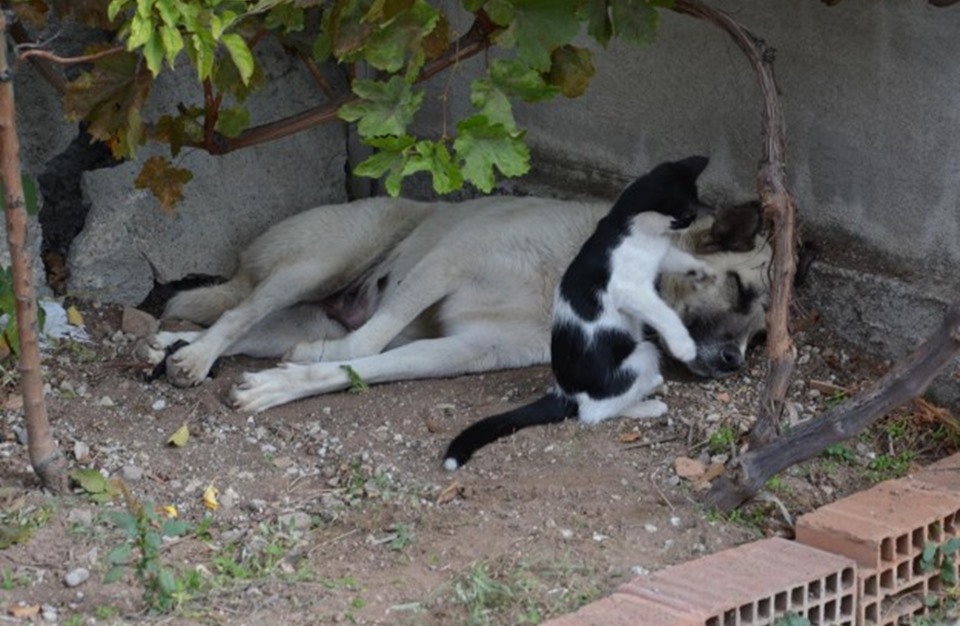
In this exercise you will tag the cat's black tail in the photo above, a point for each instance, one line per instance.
(549, 409)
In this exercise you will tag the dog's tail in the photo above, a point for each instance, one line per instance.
(549, 409)
(204, 305)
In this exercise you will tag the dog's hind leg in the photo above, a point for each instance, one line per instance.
(476, 351)
(285, 287)
(428, 283)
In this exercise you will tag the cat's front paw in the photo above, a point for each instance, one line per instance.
(683, 349)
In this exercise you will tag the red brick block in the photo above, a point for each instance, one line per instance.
(885, 529)
(756, 583)
(622, 609)
(944, 474)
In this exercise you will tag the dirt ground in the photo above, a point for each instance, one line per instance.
(336, 509)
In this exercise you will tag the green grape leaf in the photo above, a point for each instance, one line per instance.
(153, 52)
(202, 51)
(176, 131)
(501, 12)
(389, 159)
(114, 8)
(232, 121)
(169, 11)
(483, 146)
(141, 27)
(163, 180)
(571, 70)
(597, 15)
(636, 20)
(348, 30)
(241, 55)
(386, 108)
(539, 26)
(518, 80)
(172, 43)
(389, 46)
(492, 103)
(285, 17)
(433, 157)
(109, 98)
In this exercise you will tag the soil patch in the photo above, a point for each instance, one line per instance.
(336, 509)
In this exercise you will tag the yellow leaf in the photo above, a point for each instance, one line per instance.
(73, 316)
(179, 438)
(171, 511)
(210, 497)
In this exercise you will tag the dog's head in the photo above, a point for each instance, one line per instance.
(724, 316)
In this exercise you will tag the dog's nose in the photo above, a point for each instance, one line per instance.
(731, 358)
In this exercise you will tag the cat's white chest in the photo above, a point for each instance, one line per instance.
(635, 263)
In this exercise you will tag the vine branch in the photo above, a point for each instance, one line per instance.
(778, 208)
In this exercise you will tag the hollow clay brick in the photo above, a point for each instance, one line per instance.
(878, 527)
(622, 609)
(944, 474)
(754, 583)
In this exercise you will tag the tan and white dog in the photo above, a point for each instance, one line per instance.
(395, 289)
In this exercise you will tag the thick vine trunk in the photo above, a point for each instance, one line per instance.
(45, 456)
(779, 211)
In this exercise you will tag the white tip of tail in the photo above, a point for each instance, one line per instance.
(450, 464)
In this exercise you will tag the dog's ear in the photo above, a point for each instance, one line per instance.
(694, 165)
(735, 227)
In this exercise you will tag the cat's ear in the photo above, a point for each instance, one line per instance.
(694, 165)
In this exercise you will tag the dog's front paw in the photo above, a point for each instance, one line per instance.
(683, 348)
(259, 391)
(149, 350)
(188, 366)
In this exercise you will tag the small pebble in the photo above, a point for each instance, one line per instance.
(76, 577)
(159, 405)
(131, 473)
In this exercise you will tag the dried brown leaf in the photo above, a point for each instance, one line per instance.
(452, 491)
(164, 180)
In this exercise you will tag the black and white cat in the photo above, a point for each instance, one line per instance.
(602, 364)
